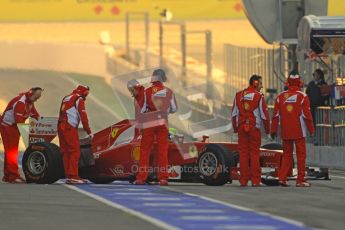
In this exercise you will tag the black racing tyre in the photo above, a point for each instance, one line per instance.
(101, 180)
(214, 164)
(42, 163)
(273, 146)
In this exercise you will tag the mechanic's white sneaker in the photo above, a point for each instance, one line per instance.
(17, 180)
(75, 181)
(139, 182)
(258, 185)
(283, 183)
(163, 183)
(302, 184)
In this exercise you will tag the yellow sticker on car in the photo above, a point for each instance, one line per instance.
(114, 132)
(193, 151)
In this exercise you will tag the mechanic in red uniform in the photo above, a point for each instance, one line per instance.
(17, 111)
(159, 102)
(292, 110)
(72, 111)
(138, 93)
(249, 110)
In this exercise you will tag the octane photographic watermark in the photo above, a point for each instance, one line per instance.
(183, 169)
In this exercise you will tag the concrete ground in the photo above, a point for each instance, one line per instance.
(30, 206)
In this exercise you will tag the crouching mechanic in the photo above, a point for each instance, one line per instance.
(159, 102)
(249, 109)
(72, 111)
(292, 110)
(17, 111)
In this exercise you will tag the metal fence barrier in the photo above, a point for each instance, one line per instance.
(330, 126)
(129, 33)
(242, 62)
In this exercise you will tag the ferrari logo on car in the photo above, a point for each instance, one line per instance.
(193, 151)
(114, 132)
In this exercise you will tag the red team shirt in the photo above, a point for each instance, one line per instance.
(250, 104)
(292, 110)
(18, 110)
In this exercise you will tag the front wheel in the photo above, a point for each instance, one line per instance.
(214, 163)
(42, 163)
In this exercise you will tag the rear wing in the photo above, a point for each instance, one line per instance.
(42, 130)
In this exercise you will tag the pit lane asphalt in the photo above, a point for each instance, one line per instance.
(32, 207)
(28, 206)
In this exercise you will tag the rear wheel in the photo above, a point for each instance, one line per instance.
(42, 163)
(214, 165)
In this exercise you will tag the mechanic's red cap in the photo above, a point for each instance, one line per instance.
(82, 89)
(294, 78)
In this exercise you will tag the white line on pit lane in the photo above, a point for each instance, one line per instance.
(158, 198)
(122, 189)
(107, 185)
(208, 211)
(135, 194)
(210, 218)
(244, 227)
(168, 204)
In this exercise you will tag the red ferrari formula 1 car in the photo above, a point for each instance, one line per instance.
(114, 152)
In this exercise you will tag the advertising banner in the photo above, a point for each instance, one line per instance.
(108, 10)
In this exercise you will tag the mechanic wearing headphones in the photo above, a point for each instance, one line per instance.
(160, 101)
(17, 111)
(249, 109)
(72, 111)
(292, 111)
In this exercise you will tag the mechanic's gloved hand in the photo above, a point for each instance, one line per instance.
(90, 136)
(273, 136)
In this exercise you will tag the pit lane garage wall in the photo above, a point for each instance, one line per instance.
(110, 10)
